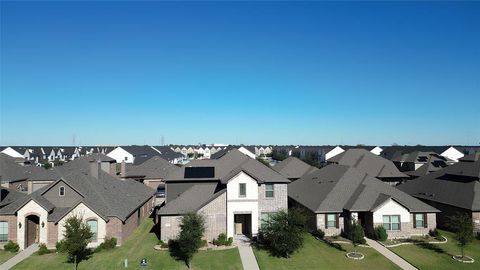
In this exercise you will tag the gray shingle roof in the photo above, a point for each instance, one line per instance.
(368, 162)
(10, 195)
(10, 171)
(293, 168)
(457, 185)
(156, 167)
(335, 188)
(228, 166)
(192, 200)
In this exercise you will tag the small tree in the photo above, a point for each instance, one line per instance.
(462, 225)
(357, 235)
(190, 238)
(77, 236)
(283, 233)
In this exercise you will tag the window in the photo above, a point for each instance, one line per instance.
(331, 221)
(126, 158)
(269, 190)
(420, 221)
(61, 191)
(3, 231)
(242, 190)
(266, 217)
(391, 223)
(93, 228)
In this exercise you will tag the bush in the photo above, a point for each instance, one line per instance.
(42, 249)
(60, 246)
(109, 243)
(380, 233)
(434, 233)
(319, 234)
(204, 243)
(162, 244)
(477, 236)
(222, 240)
(11, 246)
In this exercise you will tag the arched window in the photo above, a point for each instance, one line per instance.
(92, 223)
(61, 191)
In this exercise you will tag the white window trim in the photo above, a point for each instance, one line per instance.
(390, 222)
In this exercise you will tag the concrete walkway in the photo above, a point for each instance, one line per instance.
(247, 257)
(390, 255)
(19, 257)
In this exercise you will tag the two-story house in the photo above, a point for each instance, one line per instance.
(234, 194)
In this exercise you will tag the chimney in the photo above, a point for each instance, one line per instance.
(123, 169)
(95, 169)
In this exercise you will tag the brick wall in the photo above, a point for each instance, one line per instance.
(114, 229)
(407, 230)
(12, 226)
(169, 227)
(330, 231)
(278, 202)
(215, 214)
(476, 221)
(52, 235)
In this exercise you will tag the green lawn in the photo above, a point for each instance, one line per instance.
(317, 254)
(5, 255)
(439, 256)
(140, 245)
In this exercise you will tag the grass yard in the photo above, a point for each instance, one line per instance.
(5, 255)
(317, 254)
(139, 245)
(439, 256)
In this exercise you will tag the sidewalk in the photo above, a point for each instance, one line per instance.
(247, 257)
(19, 257)
(390, 255)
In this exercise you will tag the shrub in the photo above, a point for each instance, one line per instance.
(477, 236)
(319, 234)
(11, 246)
(229, 241)
(60, 246)
(109, 243)
(42, 249)
(222, 240)
(204, 243)
(162, 244)
(380, 233)
(434, 233)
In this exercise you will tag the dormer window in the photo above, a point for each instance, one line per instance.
(61, 191)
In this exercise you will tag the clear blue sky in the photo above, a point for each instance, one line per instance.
(252, 73)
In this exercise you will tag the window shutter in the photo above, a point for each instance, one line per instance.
(326, 221)
(337, 223)
(414, 221)
(425, 220)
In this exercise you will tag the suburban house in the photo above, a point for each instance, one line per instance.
(111, 207)
(336, 194)
(12, 152)
(370, 163)
(418, 163)
(168, 154)
(450, 152)
(234, 194)
(453, 189)
(293, 168)
(133, 154)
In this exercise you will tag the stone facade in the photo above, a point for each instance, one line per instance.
(321, 224)
(12, 227)
(215, 214)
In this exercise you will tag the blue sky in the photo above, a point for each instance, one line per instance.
(240, 72)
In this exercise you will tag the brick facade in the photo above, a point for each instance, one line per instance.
(407, 229)
(277, 203)
(12, 226)
(52, 235)
(321, 224)
(476, 221)
(215, 214)
(169, 227)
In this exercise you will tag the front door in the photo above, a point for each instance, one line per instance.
(243, 223)
(32, 230)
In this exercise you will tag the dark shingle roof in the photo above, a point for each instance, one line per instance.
(335, 188)
(10, 195)
(155, 167)
(368, 162)
(293, 168)
(192, 200)
(228, 166)
(457, 185)
(10, 171)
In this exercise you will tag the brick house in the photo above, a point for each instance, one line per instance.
(335, 195)
(454, 189)
(110, 206)
(234, 193)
